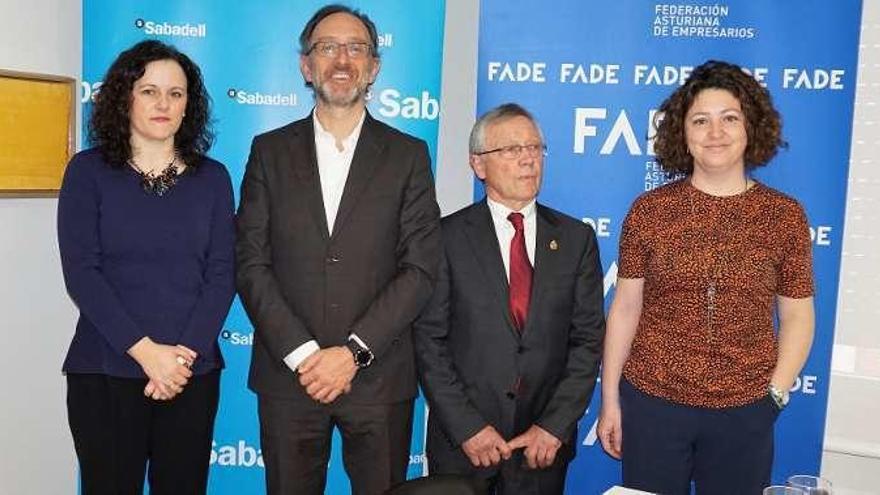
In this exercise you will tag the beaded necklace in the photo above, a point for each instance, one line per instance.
(157, 183)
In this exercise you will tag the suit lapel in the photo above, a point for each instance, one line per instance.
(304, 161)
(546, 258)
(484, 244)
(363, 164)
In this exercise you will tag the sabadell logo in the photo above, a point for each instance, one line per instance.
(239, 454)
(237, 338)
(89, 90)
(187, 30)
(245, 97)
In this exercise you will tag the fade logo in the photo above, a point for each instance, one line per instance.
(89, 90)
(238, 455)
(244, 97)
(820, 235)
(394, 104)
(185, 30)
(601, 225)
(237, 338)
(805, 384)
(610, 279)
(621, 129)
(591, 437)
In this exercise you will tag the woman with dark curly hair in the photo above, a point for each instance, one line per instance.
(145, 230)
(694, 374)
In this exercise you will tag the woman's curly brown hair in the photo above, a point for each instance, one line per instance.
(762, 122)
(110, 125)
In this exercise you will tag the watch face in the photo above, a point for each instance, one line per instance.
(779, 399)
(362, 357)
(368, 357)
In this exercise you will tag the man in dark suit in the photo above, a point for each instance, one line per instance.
(508, 348)
(337, 251)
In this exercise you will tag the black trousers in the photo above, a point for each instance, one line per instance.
(724, 451)
(513, 476)
(118, 432)
(295, 439)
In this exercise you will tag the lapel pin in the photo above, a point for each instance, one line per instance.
(554, 245)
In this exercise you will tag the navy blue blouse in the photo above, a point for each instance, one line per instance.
(138, 265)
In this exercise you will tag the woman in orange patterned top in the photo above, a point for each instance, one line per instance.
(694, 374)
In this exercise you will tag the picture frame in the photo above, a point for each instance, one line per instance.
(37, 132)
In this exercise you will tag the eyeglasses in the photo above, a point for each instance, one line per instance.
(514, 151)
(329, 49)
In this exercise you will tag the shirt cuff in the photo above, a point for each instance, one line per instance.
(357, 339)
(295, 358)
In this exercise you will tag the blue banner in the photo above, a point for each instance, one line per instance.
(594, 72)
(249, 56)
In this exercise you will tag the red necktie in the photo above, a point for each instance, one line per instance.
(520, 273)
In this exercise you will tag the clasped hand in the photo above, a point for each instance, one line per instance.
(488, 448)
(167, 367)
(326, 374)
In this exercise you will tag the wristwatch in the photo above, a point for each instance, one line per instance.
(363, 357)
(780, 397)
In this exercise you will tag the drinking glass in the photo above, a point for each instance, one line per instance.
(811, 485)
(783, 490)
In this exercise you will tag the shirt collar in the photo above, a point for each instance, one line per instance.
(349, 141)
(500, 212)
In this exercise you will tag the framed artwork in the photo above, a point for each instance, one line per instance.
(37, 131)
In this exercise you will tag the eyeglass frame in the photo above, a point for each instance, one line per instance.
(334, 47)
(517, 150)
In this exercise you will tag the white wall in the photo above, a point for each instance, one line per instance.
(852, 435)
(457, 114)
(37, 317)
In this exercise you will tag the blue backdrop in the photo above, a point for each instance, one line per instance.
(248, 52)
(593, 73)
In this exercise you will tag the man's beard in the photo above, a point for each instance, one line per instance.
(345, 100)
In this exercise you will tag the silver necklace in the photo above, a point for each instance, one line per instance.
(157, 183)
(712, 275)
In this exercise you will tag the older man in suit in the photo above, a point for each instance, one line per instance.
(338, 246)
(508, 348)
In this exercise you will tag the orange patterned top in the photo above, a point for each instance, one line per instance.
(713, 267)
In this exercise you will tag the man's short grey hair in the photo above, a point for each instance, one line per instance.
(501, 112)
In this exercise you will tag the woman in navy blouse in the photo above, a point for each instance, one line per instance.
(145, 228)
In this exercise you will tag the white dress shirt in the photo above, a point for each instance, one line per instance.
(504, 230)
(333, 167)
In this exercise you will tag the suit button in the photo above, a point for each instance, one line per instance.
(334, 306)
(520, 350)
(332, 259)
(511, 395)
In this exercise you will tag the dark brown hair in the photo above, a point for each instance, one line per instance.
(109, 124)
(305, 37)
(762, 122)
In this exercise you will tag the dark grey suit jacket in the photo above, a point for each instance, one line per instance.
(371, 275)
(476, 369)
